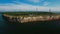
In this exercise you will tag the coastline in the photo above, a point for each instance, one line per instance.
(25, 19)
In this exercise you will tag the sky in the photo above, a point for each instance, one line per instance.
(29, 5)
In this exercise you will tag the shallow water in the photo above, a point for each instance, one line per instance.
(45, 27)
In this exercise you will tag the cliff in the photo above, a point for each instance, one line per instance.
(25, 19)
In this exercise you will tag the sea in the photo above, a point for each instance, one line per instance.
(38, 28)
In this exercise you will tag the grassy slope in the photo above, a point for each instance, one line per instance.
(28, 13)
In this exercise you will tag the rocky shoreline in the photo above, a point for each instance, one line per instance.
(33, 19)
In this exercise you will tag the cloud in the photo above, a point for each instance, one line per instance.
(21, 7)
(55, 9)
(46, 3)
(34, 1)
(40, 2)
(18, 6)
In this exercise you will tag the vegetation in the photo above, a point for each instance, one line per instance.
(28, 13)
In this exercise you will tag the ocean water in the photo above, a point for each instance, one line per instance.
(38, 28)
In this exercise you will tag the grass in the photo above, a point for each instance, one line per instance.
(28, 13)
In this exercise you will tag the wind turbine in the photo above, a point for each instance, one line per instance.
(49, 12)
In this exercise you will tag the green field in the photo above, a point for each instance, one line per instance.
(28, 13)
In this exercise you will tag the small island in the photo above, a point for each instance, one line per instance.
(24, 17)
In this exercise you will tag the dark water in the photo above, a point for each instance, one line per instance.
(40, 28)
